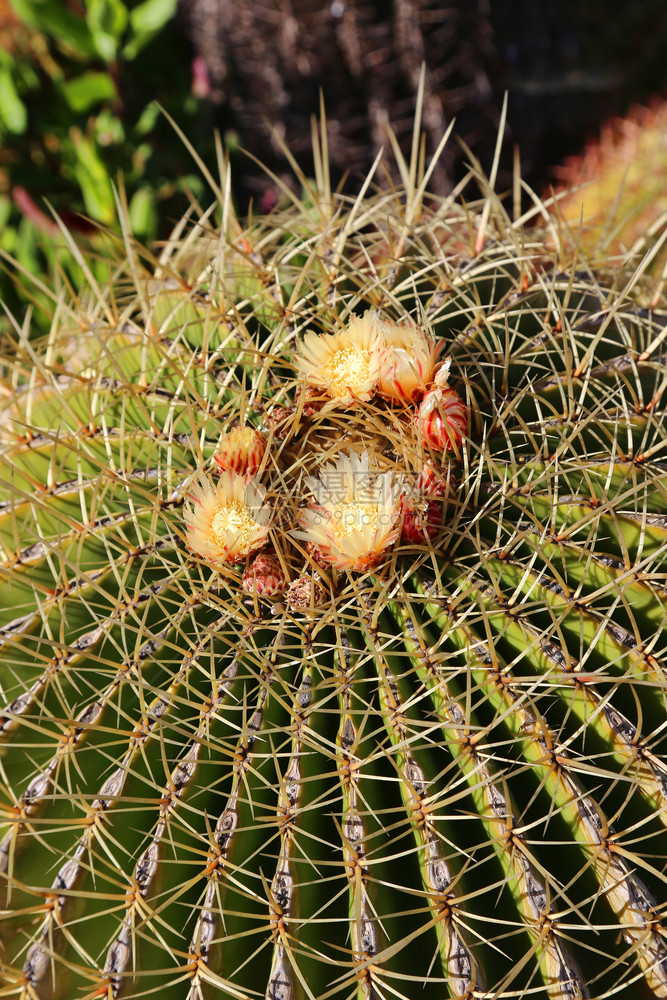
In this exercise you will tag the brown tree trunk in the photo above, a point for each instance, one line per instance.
(566, 66)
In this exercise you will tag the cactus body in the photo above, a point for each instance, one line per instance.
(440, 775)
(624, 168)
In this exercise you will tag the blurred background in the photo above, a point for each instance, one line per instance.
(82, 83)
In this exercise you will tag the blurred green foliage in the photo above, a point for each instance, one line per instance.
(80, 88)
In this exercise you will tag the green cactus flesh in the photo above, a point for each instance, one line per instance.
(439, 776)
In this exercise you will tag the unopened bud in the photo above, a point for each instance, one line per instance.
(264, 576)
(312, 399)
(242, 451)
(443, 419)
(423, 509)
(305, 594)
(317, 553)
(278, 420)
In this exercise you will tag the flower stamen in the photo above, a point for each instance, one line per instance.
(348, 370)
(233, 518)
(355, 516)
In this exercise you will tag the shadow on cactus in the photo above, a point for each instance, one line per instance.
(332, 641)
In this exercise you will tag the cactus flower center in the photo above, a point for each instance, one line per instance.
(348, 371)
(355, 517)
(235, 520)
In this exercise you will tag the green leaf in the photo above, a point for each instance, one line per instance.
(7, 228)
(146, 20)
(53, 18)
(108, 128)
(5, 211)
(92, 178)
(13, 113)
(147, 119)
(107, 20)
(89, 89)
(143, 217)
(151, 15)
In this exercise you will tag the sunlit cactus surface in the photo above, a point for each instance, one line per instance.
(332, 630)
(616, 188)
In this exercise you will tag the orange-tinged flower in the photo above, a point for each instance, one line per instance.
(241, 450)
(355, 515)
(346, 364)
(228, 520)
(409, 358)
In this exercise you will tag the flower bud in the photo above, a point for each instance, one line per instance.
(264, 576)
(443, 419)
(318, 553)
(311, 398)
(423, 508)
(305, 594)
(242, 451)
(278, 420)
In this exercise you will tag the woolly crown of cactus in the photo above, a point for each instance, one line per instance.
(435, 772)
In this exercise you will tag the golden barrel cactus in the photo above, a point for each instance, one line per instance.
(312, 688)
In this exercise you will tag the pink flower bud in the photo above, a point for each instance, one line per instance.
(242, 451)
(312, 399)
(443, 419)
(278, 420)
(264, 576)
(318, 553)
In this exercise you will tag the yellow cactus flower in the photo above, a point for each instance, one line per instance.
(346, 364)
(356, 513)
(227, 520)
